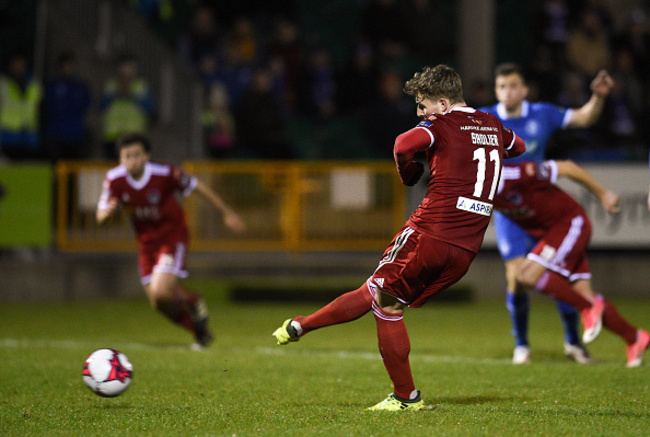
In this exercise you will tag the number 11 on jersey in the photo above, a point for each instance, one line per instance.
(480, 156)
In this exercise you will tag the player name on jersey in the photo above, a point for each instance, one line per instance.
(485, 139)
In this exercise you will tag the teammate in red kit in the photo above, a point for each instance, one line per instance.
(557, 265)
(464, 150)
(149, 192)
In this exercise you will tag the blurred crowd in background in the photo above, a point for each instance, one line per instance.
(277, 86)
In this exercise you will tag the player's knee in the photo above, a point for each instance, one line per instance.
(158, 296)
(511, 283)
(389, 304)
(513, 268)
(525, 279)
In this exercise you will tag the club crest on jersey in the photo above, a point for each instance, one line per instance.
(532, 128)
(126, 197)
(153, 196)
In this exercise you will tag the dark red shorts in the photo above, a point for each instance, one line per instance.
(166, 256)
(415, 267)
(563, 248)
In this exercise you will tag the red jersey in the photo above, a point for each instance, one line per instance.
(465, 149)
(152, 200)
(527, 195)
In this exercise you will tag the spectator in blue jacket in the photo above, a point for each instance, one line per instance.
(67, 100)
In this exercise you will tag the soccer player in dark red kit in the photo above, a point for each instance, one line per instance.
(149, 192)
(557, 265)
(464, 150)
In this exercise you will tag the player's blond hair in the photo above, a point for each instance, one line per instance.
(435, 82)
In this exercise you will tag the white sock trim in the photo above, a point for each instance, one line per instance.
(297, 327)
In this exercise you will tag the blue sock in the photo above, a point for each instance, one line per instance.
(518, 306)
(570, 320)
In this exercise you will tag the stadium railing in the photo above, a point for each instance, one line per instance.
(288, 206)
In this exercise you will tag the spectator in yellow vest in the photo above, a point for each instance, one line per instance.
(20, 98)
(127, 104)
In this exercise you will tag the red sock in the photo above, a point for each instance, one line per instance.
(185, 300)
(345, 308)
(558, 287)
(394, 345)
(178, 308)
(182, 294)
(617, 324)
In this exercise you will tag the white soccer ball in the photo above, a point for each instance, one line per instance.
(107, 372)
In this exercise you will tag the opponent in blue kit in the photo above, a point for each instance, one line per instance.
(535, 122)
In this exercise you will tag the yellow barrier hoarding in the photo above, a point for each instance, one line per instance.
(296, 206)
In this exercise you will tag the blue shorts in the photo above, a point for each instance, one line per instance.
(512, 241)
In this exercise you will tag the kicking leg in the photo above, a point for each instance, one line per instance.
(345, 308)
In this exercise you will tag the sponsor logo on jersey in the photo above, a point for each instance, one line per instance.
(475, 206)
(518, 212)
(515, 198)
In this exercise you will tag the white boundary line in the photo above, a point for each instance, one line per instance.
(275, 351)
(428, 358)
(74, 344)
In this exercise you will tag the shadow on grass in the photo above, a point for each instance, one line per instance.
(113, 406)
(473, 400)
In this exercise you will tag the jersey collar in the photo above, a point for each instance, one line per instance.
(144, 180)
(462, 109)
(503, 115)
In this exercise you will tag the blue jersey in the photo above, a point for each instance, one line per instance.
(537, 123)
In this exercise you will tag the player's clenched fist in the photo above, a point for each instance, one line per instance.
(602, 84)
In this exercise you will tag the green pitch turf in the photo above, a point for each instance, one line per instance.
(246, 385)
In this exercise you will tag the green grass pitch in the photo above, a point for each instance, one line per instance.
(246, 385)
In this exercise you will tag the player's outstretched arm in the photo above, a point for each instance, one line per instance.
(588, 113)
(230, 218)
(607, 198)
(102, 214)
